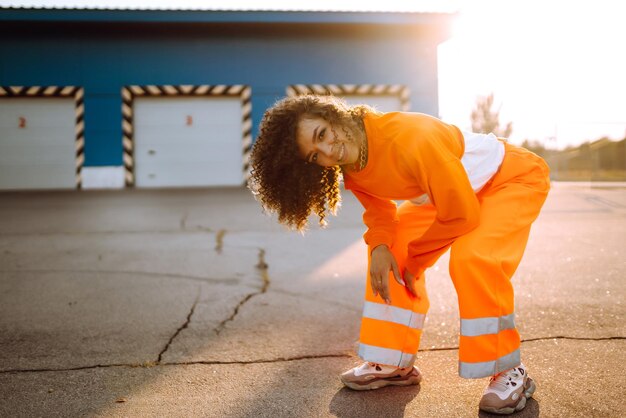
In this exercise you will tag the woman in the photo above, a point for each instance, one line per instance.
(472, 193)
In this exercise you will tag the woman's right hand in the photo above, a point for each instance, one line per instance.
(383, 261)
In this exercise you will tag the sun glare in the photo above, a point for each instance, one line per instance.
(549, 64)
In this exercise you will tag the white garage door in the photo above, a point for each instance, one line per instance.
(37, 143)
(383, 103)
(188, 141)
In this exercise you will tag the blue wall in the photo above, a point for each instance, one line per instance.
(103, 57)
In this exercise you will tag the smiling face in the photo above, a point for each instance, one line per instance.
(323, 144)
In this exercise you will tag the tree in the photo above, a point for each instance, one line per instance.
(485, 120)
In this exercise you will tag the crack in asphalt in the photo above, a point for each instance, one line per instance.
(263, 267)
(219, 240)
(528, 340)
(565, 337)
(70, 369)
(182, 327)
(275, 360)
(260, 361)
(151, 364)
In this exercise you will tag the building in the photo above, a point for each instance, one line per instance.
(93, 98)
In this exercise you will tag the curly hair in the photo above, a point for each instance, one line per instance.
(282, 181)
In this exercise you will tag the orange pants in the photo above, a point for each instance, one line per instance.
(481, 265)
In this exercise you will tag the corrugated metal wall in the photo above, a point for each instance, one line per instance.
(103, 57)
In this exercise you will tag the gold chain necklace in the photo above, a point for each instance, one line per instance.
(362, 155)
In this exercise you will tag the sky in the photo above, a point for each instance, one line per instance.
(556, 68)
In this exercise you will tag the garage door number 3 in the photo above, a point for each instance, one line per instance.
(22, 122)
(189, 120)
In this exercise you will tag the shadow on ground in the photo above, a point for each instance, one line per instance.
(388, 402)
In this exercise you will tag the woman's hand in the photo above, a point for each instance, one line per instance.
(381, 263)
(409, 281)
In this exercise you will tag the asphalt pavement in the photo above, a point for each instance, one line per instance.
(184, 303)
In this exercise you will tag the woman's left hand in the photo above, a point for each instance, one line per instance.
(409, 282)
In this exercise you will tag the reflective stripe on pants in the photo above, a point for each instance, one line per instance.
(489, 368)
(490, 325)
(390, 334)
(401, 321)
(384, 312)
(386, 355)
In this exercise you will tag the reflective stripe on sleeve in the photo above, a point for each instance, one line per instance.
(393, 314)
(489, 368)
(489, 325)
(386, 356)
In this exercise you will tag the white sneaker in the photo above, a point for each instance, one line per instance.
(507, 391)
(373, 376)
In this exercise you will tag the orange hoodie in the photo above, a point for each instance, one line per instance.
(410, 154)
